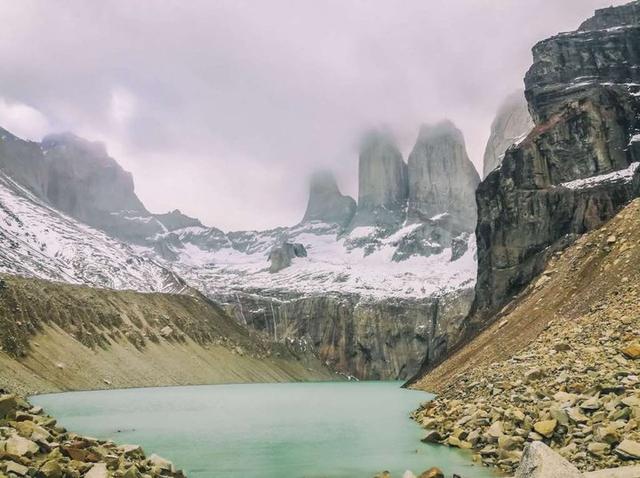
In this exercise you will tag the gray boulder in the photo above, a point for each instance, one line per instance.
(382, 182)
(442, 179)
(326, 202)
(540, 461)
(281, 256)
(511, 123)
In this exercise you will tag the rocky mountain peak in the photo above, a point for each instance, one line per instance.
(441, 177)
(613, 17)
(577, 167)
(326, 202)
(444, 129)
(382, 180)
(96, 150)
(511, 123)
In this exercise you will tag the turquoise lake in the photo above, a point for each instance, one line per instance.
(333, 430)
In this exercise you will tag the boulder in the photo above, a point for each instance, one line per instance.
(99, 470)
(540, 461)
(16, 469)
(51, 469)
(281, 256)
(8, 405)
(632, 350)
(545, 427)
(432, 473)
(628, 450)
(20, 446)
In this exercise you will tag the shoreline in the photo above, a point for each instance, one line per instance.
(32, 443)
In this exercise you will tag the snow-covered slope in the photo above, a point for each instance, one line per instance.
(38, 241)
(367, 261)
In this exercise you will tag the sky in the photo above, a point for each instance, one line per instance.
(223, 109)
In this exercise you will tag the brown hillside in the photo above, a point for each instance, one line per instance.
(59, 337)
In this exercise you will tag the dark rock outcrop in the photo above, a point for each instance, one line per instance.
(576, 168)
(281, 256)
(442, 179)
(326, 202)
(382, 182)
(174, 220)
(511, 123)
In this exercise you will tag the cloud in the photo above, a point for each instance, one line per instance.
(222, 109)
(23, 120)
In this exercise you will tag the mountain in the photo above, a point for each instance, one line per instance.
(511, 124)
(333, 280)
(326, 203)
(79, 178)
(382, 182)
(442, 179)
(36, 240)
(576, 168)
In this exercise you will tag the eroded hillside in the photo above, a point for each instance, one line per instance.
(59, 337)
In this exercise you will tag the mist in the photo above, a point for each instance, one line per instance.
(223, 109)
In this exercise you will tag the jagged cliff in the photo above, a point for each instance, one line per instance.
(576, 168)
(512, 122)
(442, 179)
(79, 178)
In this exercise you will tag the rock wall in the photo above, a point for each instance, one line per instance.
(512, 123)
(576, 168)
(442, 179)
(326, 202)
(365, 338)
(382, 181)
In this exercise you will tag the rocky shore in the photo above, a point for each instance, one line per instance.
(33, 445)
(576, 388)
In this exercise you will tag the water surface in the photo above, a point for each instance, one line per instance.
(333, 430)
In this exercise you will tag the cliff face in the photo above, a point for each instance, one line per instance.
(366, 338)
(382, 182)
(576, 168)
(512, 122)
(327, 203)
(442, 179)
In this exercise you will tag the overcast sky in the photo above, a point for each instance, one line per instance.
(223, 108)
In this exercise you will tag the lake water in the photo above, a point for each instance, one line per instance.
(333, 430)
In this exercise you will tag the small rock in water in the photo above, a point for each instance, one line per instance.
(432, 473)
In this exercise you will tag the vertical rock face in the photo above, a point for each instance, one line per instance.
(511, 123)
(577, 167)
(441, 177)
(327, 203)
(22, 161)
(382, 181)
(89, 185)
(85, 181)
